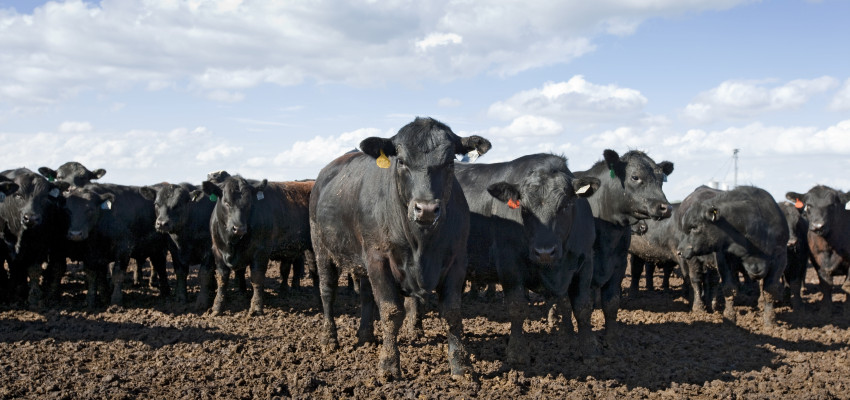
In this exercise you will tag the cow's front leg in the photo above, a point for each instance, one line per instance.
(258, 276)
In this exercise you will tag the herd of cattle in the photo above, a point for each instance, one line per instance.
(405, 220)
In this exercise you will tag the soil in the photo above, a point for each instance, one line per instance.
(157, 348)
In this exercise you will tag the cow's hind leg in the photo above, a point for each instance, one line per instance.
(413, 311)
(368, 313)
(328, 282)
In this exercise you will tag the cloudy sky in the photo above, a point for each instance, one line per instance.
(168, 90)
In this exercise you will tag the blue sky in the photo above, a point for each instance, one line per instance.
(157, 91)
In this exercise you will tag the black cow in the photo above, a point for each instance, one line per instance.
(829, 239)
(32, 220)
(531, 229)
(654, 243)
(299, 264)
(630, 191)
(72, 172)
(405, 221)
(743, 225)
(183, 213)
(7, 187)
(253, 223)
(114, 223)
(798, 251)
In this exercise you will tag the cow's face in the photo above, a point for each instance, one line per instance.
(32, 198)
(86, 208)
(546, 199)
(72, 172)
(422, 162)
(822, 205)
(701, 234)
(236, 198)
(171, 203)
(640, 179)
(794, 220)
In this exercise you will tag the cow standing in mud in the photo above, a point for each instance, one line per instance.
(405, 221)
(253, 222)
(828, 239)
(531, 229)
(630, 191)
(798, 252)
(743, 226)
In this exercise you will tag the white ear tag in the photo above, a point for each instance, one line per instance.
(2, 197)
(472, 156)
(54, 192)
(106, 205)
(847, 206)
(582, 189)
(665, 177)
(260, 196)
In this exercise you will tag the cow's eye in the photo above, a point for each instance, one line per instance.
(635, 178)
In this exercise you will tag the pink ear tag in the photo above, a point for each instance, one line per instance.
(513, 203)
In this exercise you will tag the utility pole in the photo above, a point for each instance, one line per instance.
(735, 159)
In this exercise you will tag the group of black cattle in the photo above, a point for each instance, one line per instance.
(406, 219)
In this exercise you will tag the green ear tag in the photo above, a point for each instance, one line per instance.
(611, 172)
(50, 179)
(213, 198)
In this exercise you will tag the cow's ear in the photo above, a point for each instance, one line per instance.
(612, 162)
(106, 201)
(712, 214)
(585, 186)
(666, 167)
(62, 185)
(196, 195)
(473, 143)
(97, 174)
(7, 188)
(259, 187)
(506, 193)
(374, 145)
(48, 173)
(211, 189)
(148, 192)
(794, 197)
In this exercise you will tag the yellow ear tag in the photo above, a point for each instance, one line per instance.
(383, 161)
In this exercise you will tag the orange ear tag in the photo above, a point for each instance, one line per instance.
(513, 203)
(799, 204)
(383, 161)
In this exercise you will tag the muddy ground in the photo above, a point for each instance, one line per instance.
(156, 348)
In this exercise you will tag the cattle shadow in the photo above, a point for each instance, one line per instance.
(653, 356)
(65, 328)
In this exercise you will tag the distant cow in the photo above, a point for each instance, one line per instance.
(405, 221)
(72, 172)
(798, 251)
(183, 213)
(630, 191)
(531, 229)
(746, 226)
(7, 187)
(32, 220)
(252, 223)
(654, 243)
(829, 239)
(114, 223)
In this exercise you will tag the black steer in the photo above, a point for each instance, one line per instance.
(72, 172)
(630, 191)
(183, 213)
(405, 221)
(253, 223)
(798, 251)
(828, 239)
(531, 229)
(7, 187)
(744, 226)
(654, 243)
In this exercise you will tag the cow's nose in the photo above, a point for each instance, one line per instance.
(545, 255)
(161, 224)
(31, 219)
(426, 212)
(664, 210)
(76, 236)
(816, 227)
(239, 230)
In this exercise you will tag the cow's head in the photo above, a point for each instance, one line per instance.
(822, 205)
(34, 195)
(422, 156)
(635, 181)
(86, 208)
(546, 199)
(171, 203)
(218, 176)
(795, 221)
(7, 187)
(72, 172)
(235, 198)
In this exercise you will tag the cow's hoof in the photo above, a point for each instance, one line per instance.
(329, 343)
(389, 369)
(729, 314)
(255, 312)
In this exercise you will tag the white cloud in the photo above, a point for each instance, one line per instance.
(528, 125)
(841, 100)
(438, 39)
(219, 152)
(448, 102)
(74, 126)
(235, 45)
(323, 149)
(740, 99)
(225, 96)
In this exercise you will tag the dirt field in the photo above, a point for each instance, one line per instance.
(155, 348)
